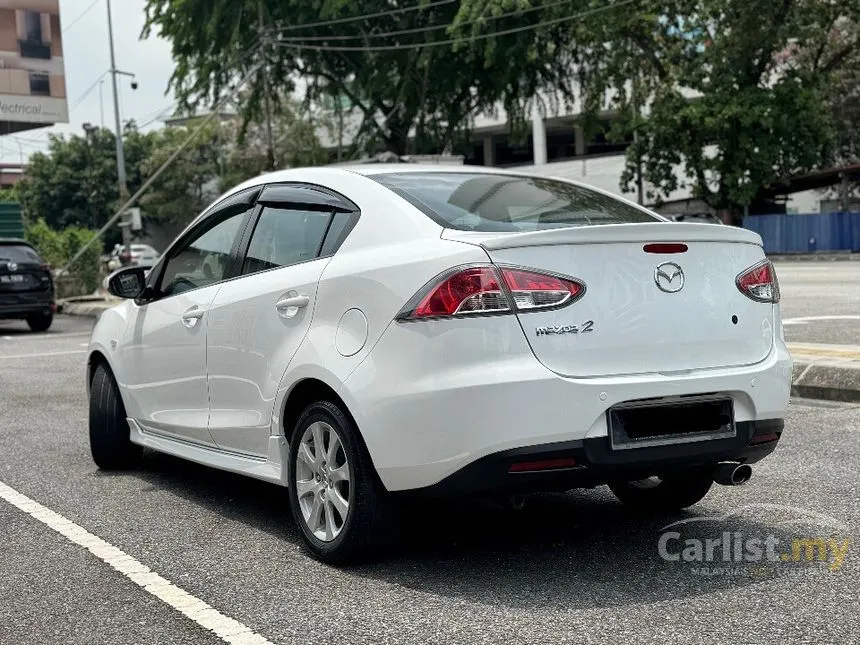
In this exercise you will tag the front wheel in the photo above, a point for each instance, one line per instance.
(664, 494)
(109, 434)
(40, 322)
(337, 501)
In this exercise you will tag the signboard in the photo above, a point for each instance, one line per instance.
(32, 76)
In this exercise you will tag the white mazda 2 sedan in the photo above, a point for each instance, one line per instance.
(359, 335)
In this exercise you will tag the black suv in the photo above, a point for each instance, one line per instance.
(26, 286)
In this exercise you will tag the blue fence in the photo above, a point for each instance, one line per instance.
(807, 233)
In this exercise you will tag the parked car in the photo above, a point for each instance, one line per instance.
(134, 255)
(26, 285)
(360, 334)
(695, 218)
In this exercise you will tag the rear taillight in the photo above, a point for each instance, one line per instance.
(487, 289)
(759, 282)
(533, 290)
(468, 291)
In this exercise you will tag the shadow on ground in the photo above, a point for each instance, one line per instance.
(572, 551)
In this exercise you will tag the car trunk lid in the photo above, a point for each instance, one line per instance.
(644, 311)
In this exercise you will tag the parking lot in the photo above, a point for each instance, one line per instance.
(575, 568)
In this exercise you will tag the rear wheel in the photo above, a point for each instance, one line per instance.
(667, 493)
(109, 434)
(40, 322)
(337, 500)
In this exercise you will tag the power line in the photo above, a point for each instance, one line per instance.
(367, 16)
(83, 13)
(80, 99)
(158, 115)
(418, 30)
(452, 41)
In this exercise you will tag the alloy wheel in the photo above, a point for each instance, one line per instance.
(322, 481)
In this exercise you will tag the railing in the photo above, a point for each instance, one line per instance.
(31, 49)
(807, 233)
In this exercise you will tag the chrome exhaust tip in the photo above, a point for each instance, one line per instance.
(732, 473)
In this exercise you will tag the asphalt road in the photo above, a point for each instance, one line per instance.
(821, 301)
(574, 568)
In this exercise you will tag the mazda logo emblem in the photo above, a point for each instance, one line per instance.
(669, 277)
(12, 267)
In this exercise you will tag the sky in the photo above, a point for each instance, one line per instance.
(87, 57)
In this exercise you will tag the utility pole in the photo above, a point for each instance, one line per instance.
(267, 99)
(102, 103)
(120, 150)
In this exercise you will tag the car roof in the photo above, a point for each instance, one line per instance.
(14, 240)
(324, 174)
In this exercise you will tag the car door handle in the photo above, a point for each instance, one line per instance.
(191, 317)
(290, 305)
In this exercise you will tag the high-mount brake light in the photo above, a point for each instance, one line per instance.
(665, 247)
(488, 289)
(759, 282)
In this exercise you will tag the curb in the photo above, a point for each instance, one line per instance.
(826, 381)
(86, 309)
(843, 256)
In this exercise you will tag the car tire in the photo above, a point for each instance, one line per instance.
(40, 322)
(109, 433)
(318, 489)
(665, 494)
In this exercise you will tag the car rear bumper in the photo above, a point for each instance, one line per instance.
(431, 400)
(24, 306)
(590, 462)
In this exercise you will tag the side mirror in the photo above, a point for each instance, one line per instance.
(127, 283)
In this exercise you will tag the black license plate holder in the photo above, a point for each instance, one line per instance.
(660, 422)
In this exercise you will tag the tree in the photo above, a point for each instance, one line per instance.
(295, 142)
(192, 181)
(422, 84)
(75, 181)
(706, 86)
(58, 247)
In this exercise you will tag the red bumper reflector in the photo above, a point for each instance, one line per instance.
(665, 248)
(53, 307)
(764, 438)
(543, 464)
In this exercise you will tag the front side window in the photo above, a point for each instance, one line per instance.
(501, 203)
(204, 258)
(285, 236)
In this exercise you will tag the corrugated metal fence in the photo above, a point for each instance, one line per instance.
(11, 224)
(807, 233)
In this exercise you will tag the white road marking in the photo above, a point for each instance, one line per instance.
(226, 628)
(66, 353)
(51, 336)
(808, 319)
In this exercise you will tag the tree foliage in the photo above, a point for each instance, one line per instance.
(220, 156)
(715, 86)
(74, 183)
(58, 247)
(191, 182)
(295, 139)
(394, 61)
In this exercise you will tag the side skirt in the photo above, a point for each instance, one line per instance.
(271, 468)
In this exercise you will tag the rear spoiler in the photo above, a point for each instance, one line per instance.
(607, 234)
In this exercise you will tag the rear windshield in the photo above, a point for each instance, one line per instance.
(18, 253)
(483, 202)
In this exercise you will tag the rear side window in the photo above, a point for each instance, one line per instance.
(285, 236)
(18, 253)
(498, 203)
